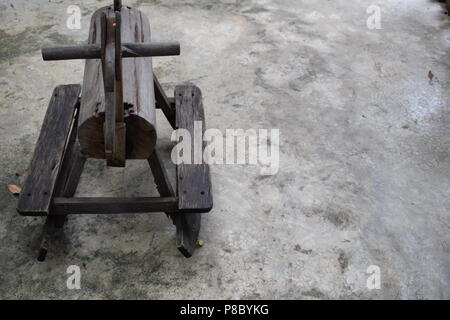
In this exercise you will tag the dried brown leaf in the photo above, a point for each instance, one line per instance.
(15, 190)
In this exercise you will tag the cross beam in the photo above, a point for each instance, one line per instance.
(129, 50)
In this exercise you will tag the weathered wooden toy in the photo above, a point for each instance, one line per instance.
(114, 119)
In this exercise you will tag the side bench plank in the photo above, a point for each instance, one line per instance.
(37, 192)
(193, 180)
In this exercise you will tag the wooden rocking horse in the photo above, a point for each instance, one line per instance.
(114, 119)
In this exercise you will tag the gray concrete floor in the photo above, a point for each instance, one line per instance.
(364, 154)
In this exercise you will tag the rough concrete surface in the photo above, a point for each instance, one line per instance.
(364, 154)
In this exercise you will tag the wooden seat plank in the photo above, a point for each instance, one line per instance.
(46, 163)
(193, 180)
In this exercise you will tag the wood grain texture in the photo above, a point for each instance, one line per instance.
(188, 229)
(93, 51)
(39, 186)
(138, 91)
(193, 180)
(69, 175)
(55, 222)
(163, 102)
(75, 169)
(101, 205)
(108, 64)
(160, 175)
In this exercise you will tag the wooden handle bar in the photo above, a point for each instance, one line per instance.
(150, 50)
(129, 50)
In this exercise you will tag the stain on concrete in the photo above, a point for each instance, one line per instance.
(343, 260)
(255, 9)
(314, 293)
(301, 250)
(29, 41)
(339, 218)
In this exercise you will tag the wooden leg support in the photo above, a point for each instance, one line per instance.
(187, 225)
(70, 175)
(48, 233)
(188, 228)
(66, 185)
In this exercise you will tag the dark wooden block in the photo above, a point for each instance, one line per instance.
(39, 187)
(76, 162)
(188, 228)
(193, 180)
(102, 205)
